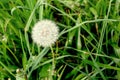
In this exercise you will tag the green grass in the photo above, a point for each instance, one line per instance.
(88, 47)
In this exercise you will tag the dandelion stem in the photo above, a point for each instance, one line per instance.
(53, 62)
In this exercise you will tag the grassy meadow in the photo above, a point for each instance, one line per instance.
(88, 47)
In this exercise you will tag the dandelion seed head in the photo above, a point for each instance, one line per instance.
(45, 33)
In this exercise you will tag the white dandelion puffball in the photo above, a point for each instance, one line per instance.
(45, 33)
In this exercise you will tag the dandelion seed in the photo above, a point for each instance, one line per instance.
(45, 33)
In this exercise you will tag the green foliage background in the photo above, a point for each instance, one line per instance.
(88, 47)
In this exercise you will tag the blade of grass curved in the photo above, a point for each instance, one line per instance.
(85, 22)
(101, 65)
(49, 61)
(38, 59)
(11, 52)
(24, 58)
(61, 12)
(7, 69)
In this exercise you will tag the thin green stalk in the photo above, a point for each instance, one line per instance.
(103, 29)
(24, 59)
(27, 43)
(41, 10)
(53, 62)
